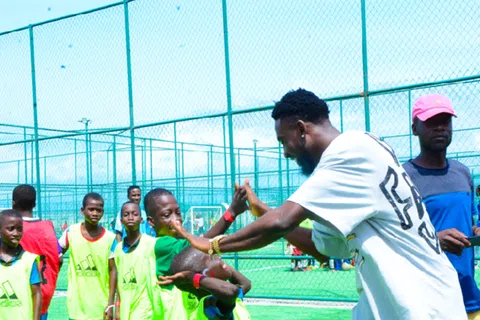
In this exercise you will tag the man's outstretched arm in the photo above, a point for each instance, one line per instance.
(272, 226)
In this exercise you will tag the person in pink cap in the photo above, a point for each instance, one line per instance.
(446, 188)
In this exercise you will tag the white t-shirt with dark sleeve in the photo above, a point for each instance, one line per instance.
(366, 206)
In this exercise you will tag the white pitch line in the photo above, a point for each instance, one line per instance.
(264, 268)
(300, 303)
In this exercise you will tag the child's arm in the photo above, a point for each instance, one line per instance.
(35, 281)
(240, 280)
(222, 290)
(37, 300)
(237, 207)
(112, 269)
(63, 243)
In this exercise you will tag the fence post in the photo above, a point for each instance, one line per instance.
(76, 181)
(130, 92)
(366, 98)
(35, 122)
(280, 174)
(225, 160)
(151, 165)
(144, 165)
(25, 164)
(177, 164)
(255, 166)
(410, 121)
(90, 167)
(114, 159)
(183, 175)
(211, 174)
(229, 104)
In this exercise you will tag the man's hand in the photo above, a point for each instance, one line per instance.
(184, 276)
(239, 201)
(453, 241)
(257, 208)
(200, 243)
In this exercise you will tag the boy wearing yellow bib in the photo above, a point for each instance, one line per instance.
(91, 270)
(135, 264)
(219, 287)
(20, 293)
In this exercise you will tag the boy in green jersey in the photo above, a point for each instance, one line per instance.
(20, 293)
(219, 287)
(91, 269)
(162, 208)
(135, 264)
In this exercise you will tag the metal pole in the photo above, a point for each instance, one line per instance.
(144, 165)
(151, 165)
(76, 182)
(183, 174)
(130, 91)
(239, 171)
(31, 159)
(108, 165)
(365, 66)
(229, 106)
(410, 122)
(35, 123)
(87, 163)
(44, 183)
(225, 160)
(255, 166)
(211, 174)
(114, 156)
(177, 164)
(18, 171)
(90, 167)
(25, 164)
(280, 174)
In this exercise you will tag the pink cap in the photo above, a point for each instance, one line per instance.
(430, 105)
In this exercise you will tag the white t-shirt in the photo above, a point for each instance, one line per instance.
(365, 206)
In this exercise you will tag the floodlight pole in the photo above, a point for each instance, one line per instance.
(86, 121)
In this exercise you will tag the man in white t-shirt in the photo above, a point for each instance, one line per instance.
(363, 204)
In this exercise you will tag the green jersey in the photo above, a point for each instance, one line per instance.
(166, 248)
(177, 305)
(88, 274)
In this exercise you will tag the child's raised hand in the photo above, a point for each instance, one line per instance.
(181, 276)
(239, 201)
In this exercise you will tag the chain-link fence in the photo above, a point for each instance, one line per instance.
(178, 95)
